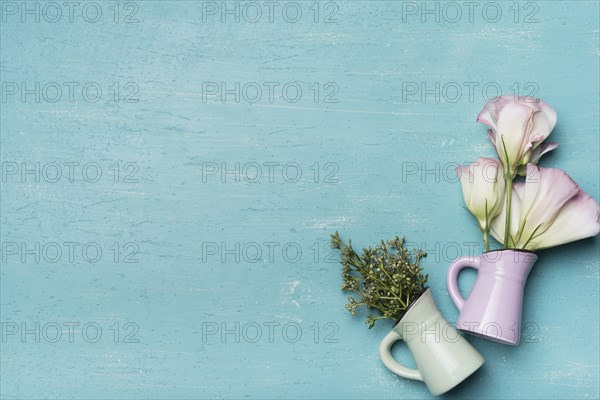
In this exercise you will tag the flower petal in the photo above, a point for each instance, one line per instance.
(492, 137)
(543, 123)
(546, 191)
(466, 182)
(578, 219)
(539, 151)
(491, 110)
(512, 131)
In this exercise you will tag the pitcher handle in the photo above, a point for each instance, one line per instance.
(385, 352)
(452, 278)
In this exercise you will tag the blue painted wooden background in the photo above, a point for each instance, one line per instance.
(181, 252)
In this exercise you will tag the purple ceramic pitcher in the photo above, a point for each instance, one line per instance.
(493, 308)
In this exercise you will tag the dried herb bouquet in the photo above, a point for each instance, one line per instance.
(386, 278)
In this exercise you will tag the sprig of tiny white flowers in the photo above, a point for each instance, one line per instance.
(386, 278)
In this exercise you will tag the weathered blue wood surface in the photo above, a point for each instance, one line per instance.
(374, 147)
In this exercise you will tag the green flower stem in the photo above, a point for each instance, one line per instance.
(486, 240)
(486, 228)
(509, 183)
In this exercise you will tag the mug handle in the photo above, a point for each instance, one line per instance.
(386, 356)
(452, 278)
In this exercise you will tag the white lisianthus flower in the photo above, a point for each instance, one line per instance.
(518, 126)
(548, 209)
(483, 189)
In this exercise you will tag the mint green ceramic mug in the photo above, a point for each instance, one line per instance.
(444, 358)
